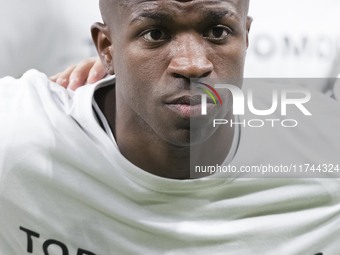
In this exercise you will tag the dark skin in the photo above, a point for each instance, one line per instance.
(154, 48)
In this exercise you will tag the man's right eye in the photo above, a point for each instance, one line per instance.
(156, 35)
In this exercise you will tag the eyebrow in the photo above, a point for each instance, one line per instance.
(157, 16)
(217, 14)
(210, 15)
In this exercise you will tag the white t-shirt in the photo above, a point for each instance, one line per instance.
(66, 189)
(294, 39)
(48, 35)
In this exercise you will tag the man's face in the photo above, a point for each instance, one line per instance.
(159, 45)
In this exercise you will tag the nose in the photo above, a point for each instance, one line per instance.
(189, 58)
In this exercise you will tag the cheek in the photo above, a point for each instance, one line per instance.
(142, 71)
(145, 63)
(229, 63)
(134, 89)
(132, 74)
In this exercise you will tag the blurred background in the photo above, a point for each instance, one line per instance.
(295, 39)
(48, 35)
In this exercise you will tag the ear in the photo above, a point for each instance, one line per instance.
(102, 40)
(248, 25)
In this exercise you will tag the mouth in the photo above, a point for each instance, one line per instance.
(188, 106)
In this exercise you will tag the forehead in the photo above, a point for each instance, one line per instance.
(134, 8)
(178, 2)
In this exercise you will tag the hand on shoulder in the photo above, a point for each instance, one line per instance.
(87, 71)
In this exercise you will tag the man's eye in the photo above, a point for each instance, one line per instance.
(217, 33)
(156, 35)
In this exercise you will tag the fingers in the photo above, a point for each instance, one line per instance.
(80, 73)
(62, 78)
(54, 77)
(97, 72)
(87, 71)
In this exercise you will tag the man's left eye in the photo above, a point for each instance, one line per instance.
(217, 33)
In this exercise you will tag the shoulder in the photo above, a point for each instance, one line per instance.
(30, 107)
(33, 89)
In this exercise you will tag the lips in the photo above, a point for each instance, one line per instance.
(189, 100)
(188, 106)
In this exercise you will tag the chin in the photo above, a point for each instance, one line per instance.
(179, 138)
(190, 137)
(200, 136)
